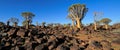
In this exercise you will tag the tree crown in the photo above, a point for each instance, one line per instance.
(105, 20)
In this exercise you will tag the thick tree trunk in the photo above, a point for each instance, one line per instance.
(95, 26)
(15, 25)
(27, 26)
(106, 26)
(79, 24)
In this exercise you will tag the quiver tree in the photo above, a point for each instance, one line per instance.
(43, 24)
(105, 21)
(14, 21)
(96, 23)
(77, 13)
(8, 22)
(97, 18)
(50, 24)
(28, 18)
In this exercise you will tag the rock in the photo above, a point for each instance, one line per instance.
(19, 41)
(74, 47)
(106, 45)
(60, 36)
(33, 32)
(74, 41)
(14, 41)
(11, 32)
(52, 38)
(4, 34)
(7, 44)
(39, 40)
(95, 45)
(52, 45)
(117, 41)
(21, 33)
(60, 41)
(62, 47)
(28, 46)
(16, 48)
(41, 47)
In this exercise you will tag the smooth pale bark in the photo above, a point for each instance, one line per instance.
(79, 24)
(106, 26)
(27, 26)
(95, 26)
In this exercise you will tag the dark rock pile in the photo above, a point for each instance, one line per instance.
(47, 38)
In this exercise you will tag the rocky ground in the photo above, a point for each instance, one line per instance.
(58, 38)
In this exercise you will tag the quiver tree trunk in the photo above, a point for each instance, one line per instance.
(43, 24)
(15, 24)
(79, 25)
(106, 26)
(27, 25)
(95, 26)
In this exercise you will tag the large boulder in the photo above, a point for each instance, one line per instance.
(28, 46)
(106, 45)
(51, 38)
(94, 45)
(11, 32)
(21, 33)
(52, 44)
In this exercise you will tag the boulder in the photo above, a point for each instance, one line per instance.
(95, 45)
(52, 38)
(41, 47)
(62, 47)
(21, 33)
(106, 45)
(74, 47)
(11, 32)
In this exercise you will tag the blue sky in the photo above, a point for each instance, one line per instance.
(55, 11)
